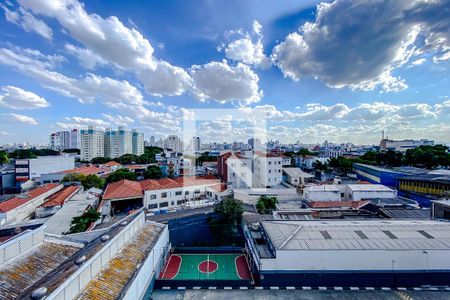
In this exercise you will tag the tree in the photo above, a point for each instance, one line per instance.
(149, 155)
(318, 165)
(304, 152)
(266, 204)
(74, 177)
(428, 156)
(230, 210)
(92, 181)
(100, 160)
(153, 172)
(72, 150)
(82, 223)
(205, 157)
(342, 164)
(32, 153)
(120, 175)
(127, 159)
(4, 159)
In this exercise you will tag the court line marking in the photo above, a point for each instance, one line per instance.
(179, 267)
(236, 266)
(207, 272)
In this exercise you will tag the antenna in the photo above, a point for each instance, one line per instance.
(382, 134)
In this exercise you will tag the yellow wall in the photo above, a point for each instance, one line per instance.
(423, 187)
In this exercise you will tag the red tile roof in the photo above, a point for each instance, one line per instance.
(111, 164)
(337, 204)
(26, 197)
(86, 170)
(266, 154)
(60, 197)
(219, 187)
(168, 183)
(123, 189)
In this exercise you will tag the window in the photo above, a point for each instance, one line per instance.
(178, 193)
(163, 195)
(164, 204)
(342, 195)
(172, 203)
(270, 162)
(197, 191)
(152, 197)
(152, 206)
(180, 202)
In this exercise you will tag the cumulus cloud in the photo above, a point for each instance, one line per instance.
(222, 82)
(16, 98)
(102, 36)
(359, 44)
(11, 117)
(165, 80)
(27, 21)
(87, 58)
(247, 48)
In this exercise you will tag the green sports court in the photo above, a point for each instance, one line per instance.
(206, 267)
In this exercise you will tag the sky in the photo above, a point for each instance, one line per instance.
(338, 71)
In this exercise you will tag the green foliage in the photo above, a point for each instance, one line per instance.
(428, 156)
(100, 160)
(82, 223)
(92, 181)
(153, 172)
(266, 204)
(149, 155)
(341, 164)
(32, 153)
(127, 159)
(230, 210)
(74, 177)
(318, 165)
(304, 152)
(72, 150)
(205, 157)
(3, 157)
(121, 174)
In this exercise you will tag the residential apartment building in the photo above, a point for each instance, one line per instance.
(403, 145)
(62, 140)
(92, 143)
(267, 169)
(110, 143)
(235, 169)
(137, 142)
(118, 142)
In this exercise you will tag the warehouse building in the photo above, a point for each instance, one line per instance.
(375, 253)
(385, 176)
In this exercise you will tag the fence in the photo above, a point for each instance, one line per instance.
(21, 244)
(90, 269)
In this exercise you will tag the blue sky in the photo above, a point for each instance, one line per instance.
(337, 71)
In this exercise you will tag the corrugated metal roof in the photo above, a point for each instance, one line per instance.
(342, 235)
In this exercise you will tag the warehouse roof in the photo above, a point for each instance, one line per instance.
(322, 188)
(297, 172)
(26, 197)
(60, 197)
(369, 188)
(358, 235)
(123, 189)
(431, 177)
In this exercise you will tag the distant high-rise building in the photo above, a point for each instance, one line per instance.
(196, 143)
(118, 142)
(62, 140)
(152, 141)
(138, 142)
(254, 144)
(173, 142)
(92, 143)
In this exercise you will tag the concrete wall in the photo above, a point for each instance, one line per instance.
(78, 281)
(251, 196)
(359, 195)
(16, 247)
(371, 260)
(25, 210)
(50, 164)
(150, 268)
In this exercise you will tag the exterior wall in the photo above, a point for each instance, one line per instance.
(312, 195)
(239, 172)
(16, 247)
(92, 143)
(78, 281)
(423, 187)
(360, 195)
(440, 211)
(172, 198)
(267, 171)
(137, 143)
(150, 268)
(118, 142)
(251, 196)
(357, 260)
(25, 210)
(50, 164)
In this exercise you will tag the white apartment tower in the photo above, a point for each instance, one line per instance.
(118, 142)
(62, 140)
(267, 169)
(138, 142)
(92, 143)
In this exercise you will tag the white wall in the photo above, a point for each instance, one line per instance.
(16, 247)
(251, 196)
(314, 195)
(358, 195)
(25, 210)
(50, 164)
(318, 260)
(267, 171)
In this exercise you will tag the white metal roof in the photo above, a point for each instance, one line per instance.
(297, 172)
(358, 235)
(323, 188)
(368, 187)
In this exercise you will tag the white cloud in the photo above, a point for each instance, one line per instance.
(11, 117)
(87, 58)
(248, 48)
(224, 83)
(5, 133)
(28, 22)
(348, 45)
(104, 37)
(17, 98)
(165, 80)
(118, 120)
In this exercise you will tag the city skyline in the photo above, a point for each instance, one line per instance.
(60, 68)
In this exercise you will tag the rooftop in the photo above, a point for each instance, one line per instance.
(169, 183)
(369, 187)
(112, 281)
(430, 177)
(123, 189)
(297, 172)
(60, 197)
(322, 188)
(338, 204)
(17, 201)
(358, 235)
